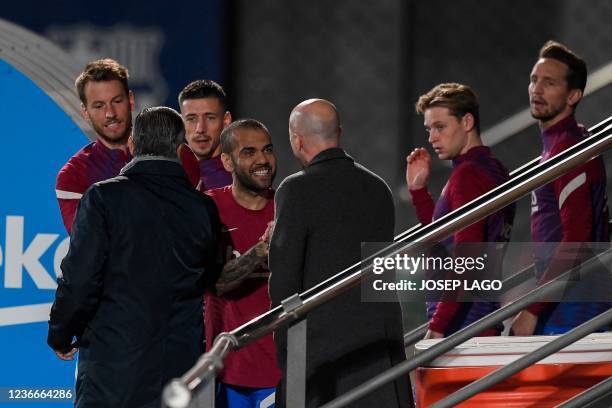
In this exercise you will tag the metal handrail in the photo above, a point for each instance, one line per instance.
(527, 360)
(492, 201)
(415, 230)
(531, 358)
(548, 290)
(417, 333)
(510, 282)
(422, 232)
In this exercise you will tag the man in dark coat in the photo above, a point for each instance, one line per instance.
(323, 214)
(142, 251)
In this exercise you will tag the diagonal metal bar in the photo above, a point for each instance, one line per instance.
(474, 211)
(531, 358)
(510, 282)
(412, 233)
(547, 290)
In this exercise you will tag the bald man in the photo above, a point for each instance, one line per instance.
(323, 214)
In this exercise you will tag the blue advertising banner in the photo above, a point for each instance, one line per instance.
(164, 47)
(38, 137)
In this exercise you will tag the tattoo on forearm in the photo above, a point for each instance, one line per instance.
(238, 269)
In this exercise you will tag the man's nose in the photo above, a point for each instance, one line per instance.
(200, 126)
(110, 111)
(261, 158)
(536, 87)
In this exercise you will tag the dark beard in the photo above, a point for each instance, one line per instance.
(248, 184)
(122, 141)
(547, 116)
(116, 142)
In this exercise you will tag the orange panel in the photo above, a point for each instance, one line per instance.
(542, 385)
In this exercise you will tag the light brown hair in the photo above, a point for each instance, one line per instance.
(101, 70)
(459, 99)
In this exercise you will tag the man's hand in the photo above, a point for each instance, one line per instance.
(433, 335)
(255, 260)
(67, 356)
(261, 250)
(268, 233)
(524, 324)
(418, 168)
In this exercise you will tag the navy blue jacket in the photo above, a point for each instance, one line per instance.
(142, 252)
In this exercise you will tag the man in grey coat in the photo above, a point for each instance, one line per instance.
(142, 252)
(323, 214)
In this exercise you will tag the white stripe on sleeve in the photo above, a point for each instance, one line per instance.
(68, 195)
(571, 187)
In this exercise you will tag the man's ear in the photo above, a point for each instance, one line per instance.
(468, 122)
(574, 97)
(228, 164)
(132, 101)
(227, 119)
(130, 145)
(84, 113)
(299, 140)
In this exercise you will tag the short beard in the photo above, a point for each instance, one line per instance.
(545, 117)
(121, 141)
(248, 184)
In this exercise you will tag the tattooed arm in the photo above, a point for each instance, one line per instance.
(238, 269)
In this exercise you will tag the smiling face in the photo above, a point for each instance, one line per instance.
(252, 160)
(109, 110)
(448, 134)
(204, 120)
(550, 98)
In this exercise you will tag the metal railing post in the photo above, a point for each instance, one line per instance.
(206, 397)
(178, 393)
(296, 357)
(547, 290)
(350, 277)
(510, 282)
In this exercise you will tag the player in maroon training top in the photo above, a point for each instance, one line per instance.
(452, 121)
(107, 104)
(572, 208)
(205, 115)
(246, 208)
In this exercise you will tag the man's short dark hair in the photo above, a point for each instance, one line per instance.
(576, 67)
(106, 69)
(459, 99)
(203, 88)
(158, 131)
(228, 141)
